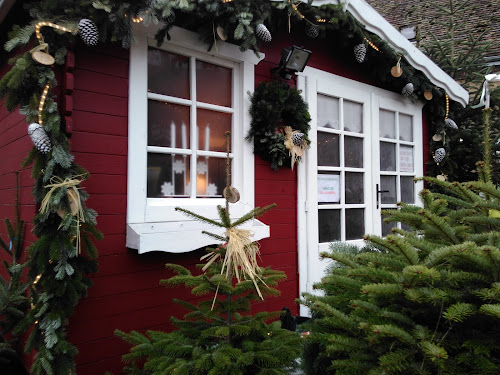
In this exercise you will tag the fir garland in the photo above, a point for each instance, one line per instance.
(275, 105)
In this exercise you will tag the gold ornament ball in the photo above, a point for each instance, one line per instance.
(396, 71)
(428, 94)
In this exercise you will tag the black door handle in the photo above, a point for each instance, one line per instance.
(378, 194)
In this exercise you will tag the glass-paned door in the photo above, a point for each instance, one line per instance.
(340, 169)
(397, 162)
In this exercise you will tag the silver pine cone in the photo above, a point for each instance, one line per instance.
(297, 138)
(439, 155)
(360, 52)
(88, 32)
(408, 89)
(263, 33)
(450, 124)
(39, 138)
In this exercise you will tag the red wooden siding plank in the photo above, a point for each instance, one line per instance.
(99, 164)
(100, 83)
(99, 143)
(99, 123)
(100, 103)
(93, 61)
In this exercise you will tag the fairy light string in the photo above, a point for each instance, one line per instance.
(42, 103)
(447, 106)
(39, 25)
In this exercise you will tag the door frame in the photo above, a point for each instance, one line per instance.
(311, 267)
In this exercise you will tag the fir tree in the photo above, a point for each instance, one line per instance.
(220, 335)
(419, 301)
(13, 298)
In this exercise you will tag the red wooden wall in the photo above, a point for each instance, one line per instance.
(126, 294)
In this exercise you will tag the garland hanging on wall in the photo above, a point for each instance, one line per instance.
(280, 124)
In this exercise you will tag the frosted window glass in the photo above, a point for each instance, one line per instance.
(353, 152)
(354, 223)
(387, 124)
(407, 190)
(211, 128)
(388, 183)
(405, 128)
(354, 188)
(211, 177)
(353, 116)
(387, 156)
(386, 227)
(213, 84)
(168, 125)
(406, 158)
(168, 176)
(329, 225)
(168, 73)
(328, 149)
(328, 112)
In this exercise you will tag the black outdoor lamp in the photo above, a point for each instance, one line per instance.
(293, 59)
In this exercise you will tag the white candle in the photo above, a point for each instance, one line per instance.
(184, 139)
(207, 137)
(172, 134)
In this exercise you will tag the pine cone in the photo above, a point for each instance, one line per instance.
(439, 155)
(312, 31)
(408, 89)
(360, 52)
(39, 138)
(297, 138)
(450, 124)
(88, 32)
(263, 33)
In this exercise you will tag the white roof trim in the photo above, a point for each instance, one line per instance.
(377, 24)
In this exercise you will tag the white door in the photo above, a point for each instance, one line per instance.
(366, 148)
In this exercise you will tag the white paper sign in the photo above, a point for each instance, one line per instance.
(329, 188)
(405, 159)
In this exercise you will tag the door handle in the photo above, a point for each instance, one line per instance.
(378, 192)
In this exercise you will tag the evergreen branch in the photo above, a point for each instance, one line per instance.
(199, 217)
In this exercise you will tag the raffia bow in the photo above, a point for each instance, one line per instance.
(295, 151)
(70, 183)
(240, 260)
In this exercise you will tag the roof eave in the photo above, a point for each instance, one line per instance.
(377, 24)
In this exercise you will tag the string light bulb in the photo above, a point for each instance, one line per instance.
(42, 102)
(370, 43)
(37, 279)
(447, 106)
(39, 25)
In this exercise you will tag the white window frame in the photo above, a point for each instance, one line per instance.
(153, 224)
(313, 81)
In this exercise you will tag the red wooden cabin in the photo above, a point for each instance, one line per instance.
(145, 122)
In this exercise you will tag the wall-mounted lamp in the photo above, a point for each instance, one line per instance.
(293, 59)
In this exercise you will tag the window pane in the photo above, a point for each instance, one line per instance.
(329, 225)
(387, 124)
(213, 84)
(168, 125)
(168, 73)
(328, 112)
(386, 227)
(353, 117)
(211, 177)
(354, 188)
(405, 128)
(328, 149)
(388, 183)
(407, 190)
(353, 151)
(387, 156)
(328, 188)
(406, 158)
(354, 223)
(211, 129)
(168, 176)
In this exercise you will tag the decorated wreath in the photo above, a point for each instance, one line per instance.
(280, 124)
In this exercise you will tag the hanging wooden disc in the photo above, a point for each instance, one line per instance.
(231, 194)
(43, 58)
(221, 33)
(437, 137)
(441, 177)
(396, 71)
(73, 205)
(428, 94)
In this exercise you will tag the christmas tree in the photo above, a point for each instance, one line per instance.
(420, 301)
(220, 335)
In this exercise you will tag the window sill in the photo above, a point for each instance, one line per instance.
(181, 236)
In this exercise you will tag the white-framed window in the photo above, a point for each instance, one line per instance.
(182, 101)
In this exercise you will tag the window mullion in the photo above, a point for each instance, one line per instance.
(193, 125)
